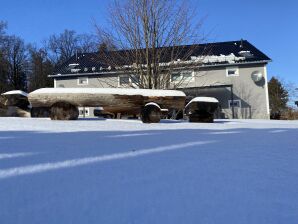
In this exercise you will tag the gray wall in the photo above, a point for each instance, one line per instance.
(254, 97)
(93, 82)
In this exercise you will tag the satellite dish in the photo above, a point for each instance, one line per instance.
(257, 76)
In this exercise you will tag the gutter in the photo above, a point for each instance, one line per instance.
(127, 72)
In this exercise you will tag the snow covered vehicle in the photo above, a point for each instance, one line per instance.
(201, 109)
(14, 104)
(63, 103)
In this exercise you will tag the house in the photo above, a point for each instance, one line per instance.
(234, 72)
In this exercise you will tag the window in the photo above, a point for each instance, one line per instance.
(128, 80)
(175, 77)
(124, 80)
(83, 81)
(84, 111)
(232, 71)
(187, 76)
(135, 79)
(236, 103)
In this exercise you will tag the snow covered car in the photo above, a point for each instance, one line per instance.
(201, 109)
(63, 103)
(14, 104)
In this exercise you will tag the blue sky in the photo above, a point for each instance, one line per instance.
(272, 26)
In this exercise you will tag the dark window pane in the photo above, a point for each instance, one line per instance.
(175, 77)
(135, 79)
(124, 80)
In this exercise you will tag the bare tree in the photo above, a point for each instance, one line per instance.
(14, 62)
(66, 44)
(3, 61)
(40, 68)
(151, 38)
(3, 26)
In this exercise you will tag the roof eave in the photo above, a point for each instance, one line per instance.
(125, 72)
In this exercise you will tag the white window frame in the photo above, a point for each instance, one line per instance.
(84, 109)
(178, 80)
(126, 84)
(131, 81)
(234, 101)
(82, 84)
(192, 76)
(181, 76)
(236, 69)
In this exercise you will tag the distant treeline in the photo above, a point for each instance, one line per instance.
(26, 67)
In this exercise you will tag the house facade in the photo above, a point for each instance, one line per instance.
(234, 72)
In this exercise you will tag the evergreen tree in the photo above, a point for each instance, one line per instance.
(278, 97)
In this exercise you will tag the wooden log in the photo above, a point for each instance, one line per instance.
(124, 101)
(200, 110)
(40, 112)
(102, 113)
(3, 109)
(14, 105)
(17, 100)
(151, 114)
(64, 111)
(12, 111)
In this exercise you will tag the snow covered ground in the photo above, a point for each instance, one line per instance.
(124, 171)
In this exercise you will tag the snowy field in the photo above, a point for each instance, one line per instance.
(124, 171)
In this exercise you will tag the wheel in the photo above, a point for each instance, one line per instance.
(64, 111)
(151, 114)
(40, 112)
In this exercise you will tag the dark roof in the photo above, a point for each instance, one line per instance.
(100, 62)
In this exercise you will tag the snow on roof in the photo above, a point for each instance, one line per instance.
(231, 58)
(15, 92)
(115, 91)
(203, 99)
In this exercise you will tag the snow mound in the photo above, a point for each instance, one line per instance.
(203, 99)
(15, 92)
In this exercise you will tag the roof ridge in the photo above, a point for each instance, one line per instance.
(183, 45)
